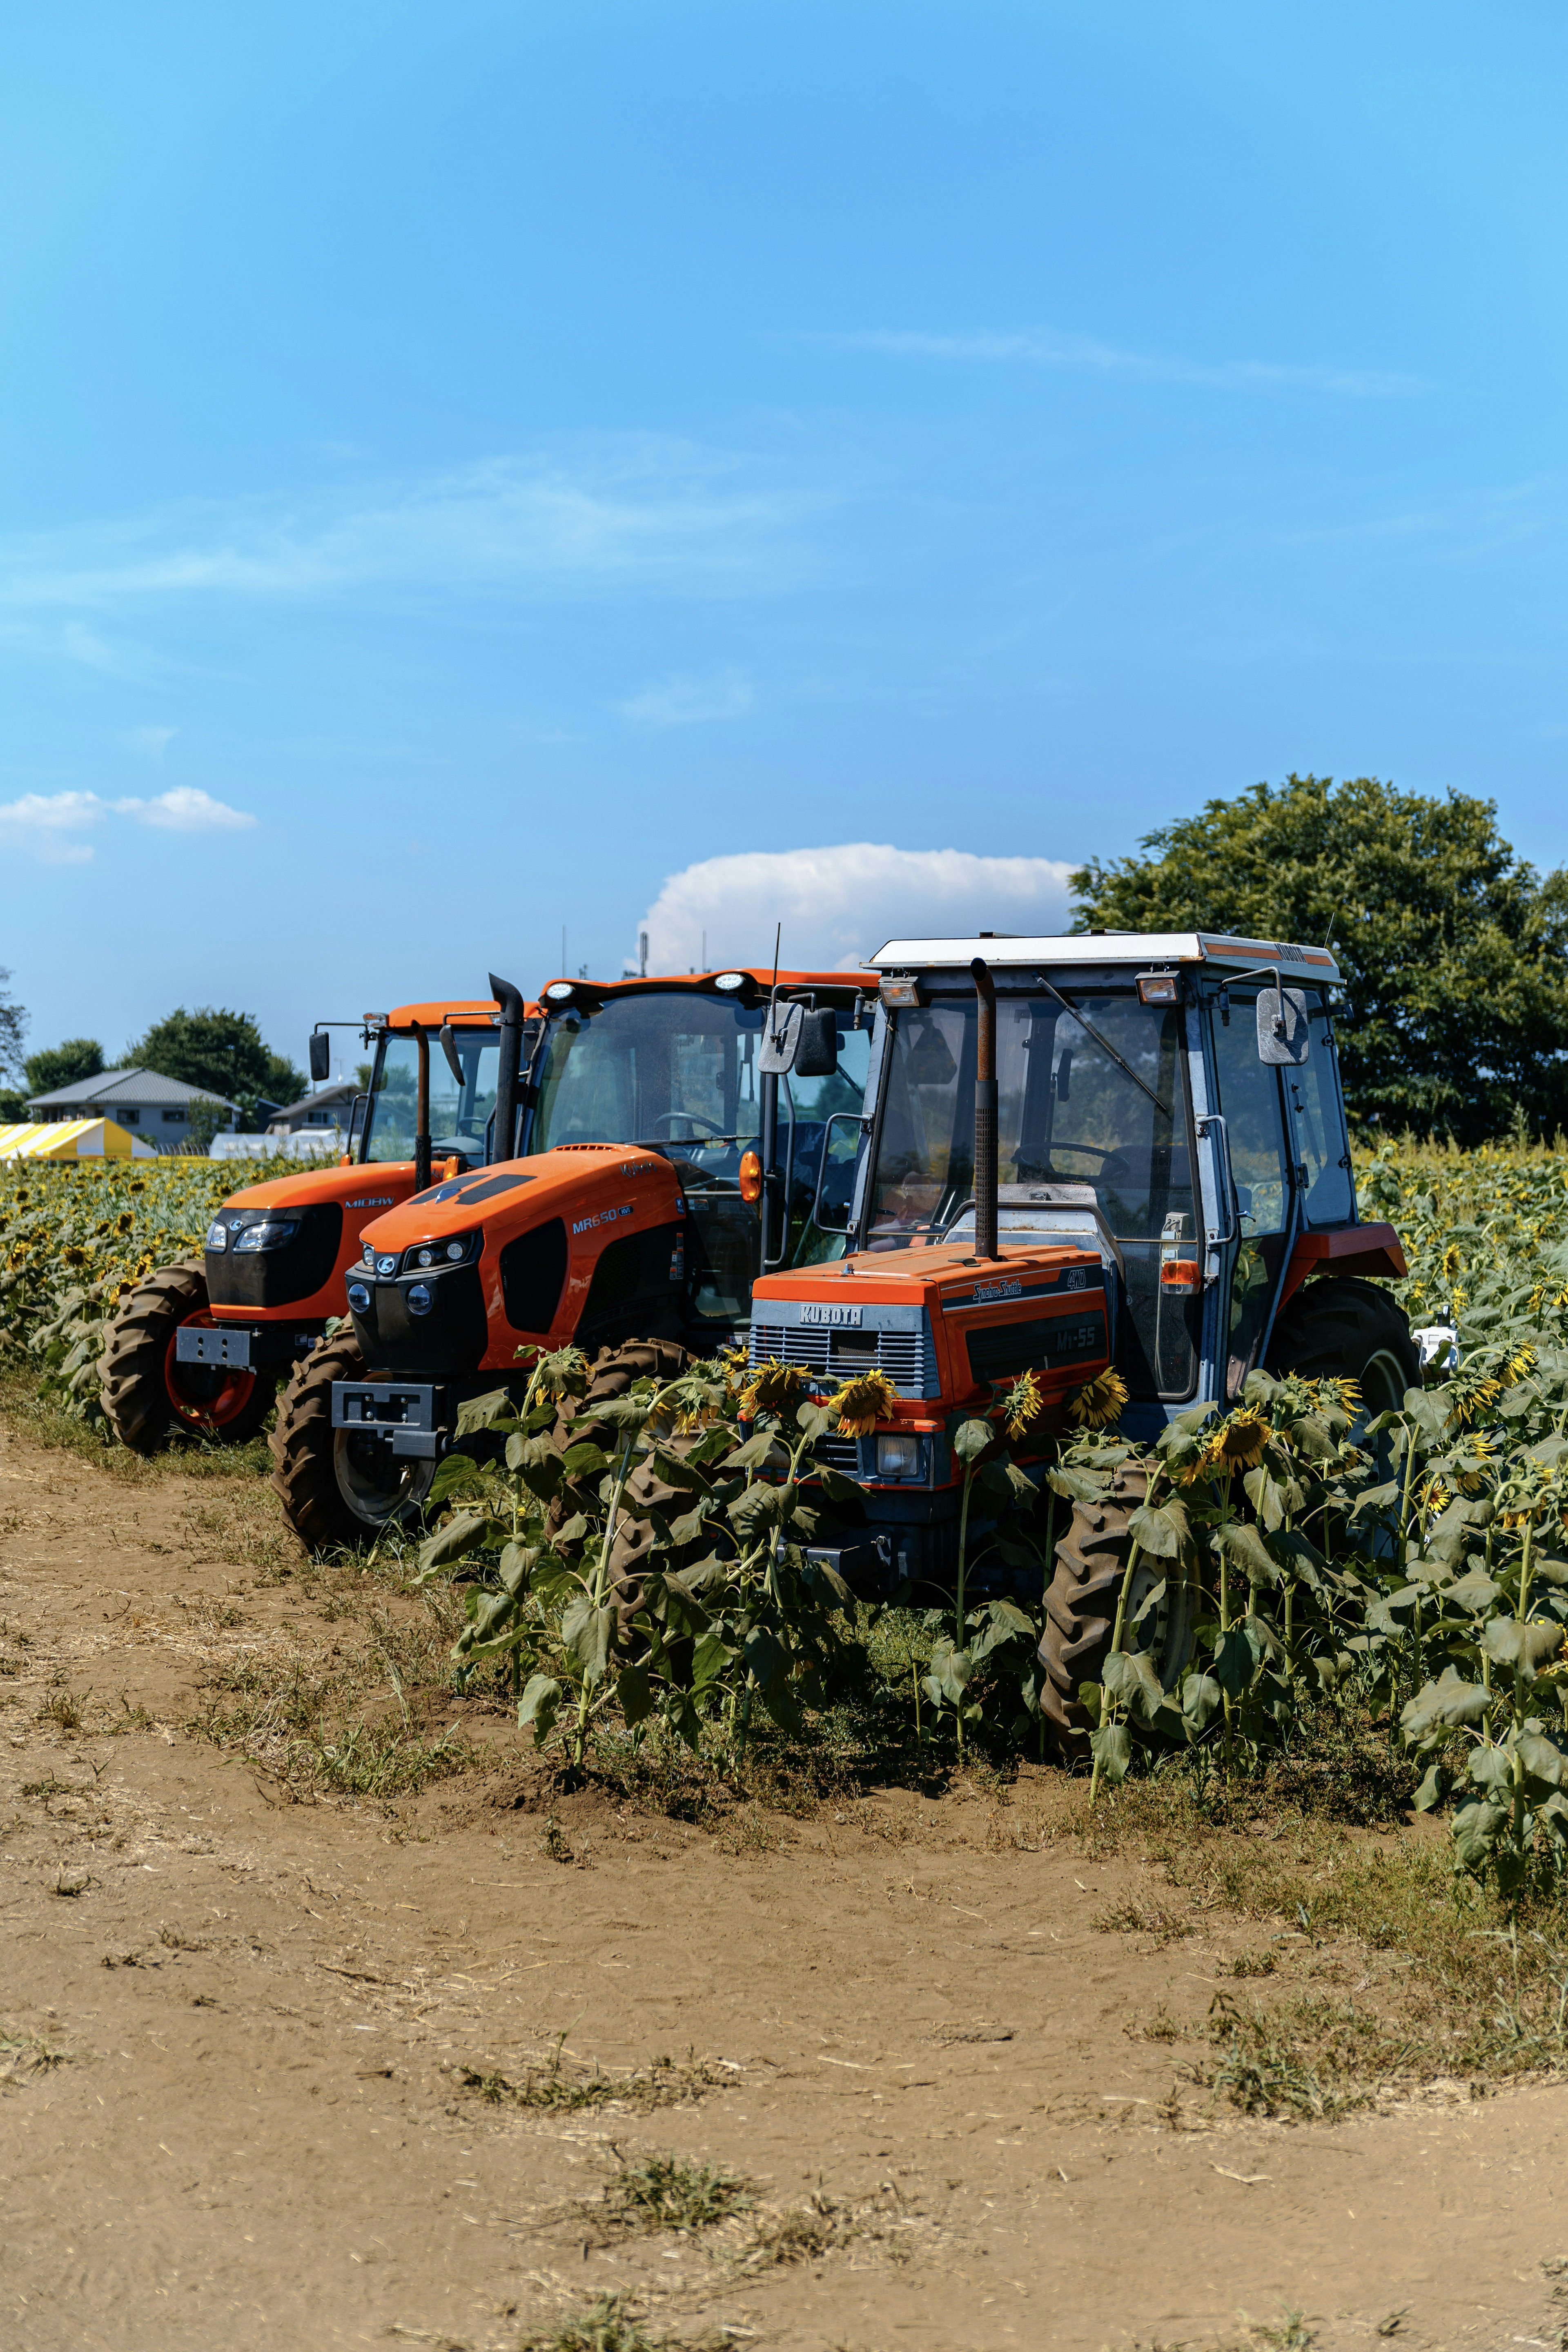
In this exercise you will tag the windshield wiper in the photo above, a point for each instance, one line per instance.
(1105, 1045)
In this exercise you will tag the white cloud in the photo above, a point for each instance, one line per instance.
(690, 701)
(629, 514)
(1038, 348)
(46, 824)
(185, 809)
(43, 822)
(838, 904)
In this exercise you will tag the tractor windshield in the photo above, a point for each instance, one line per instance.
(677, 1069)
(1091, 1095)
(458, 1115)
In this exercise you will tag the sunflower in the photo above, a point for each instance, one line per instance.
(1099, 1402)
(124, 1222)
(1479, 1457)
(773, 1388)
(1521, 1361)
(561, 1374)
(74, 1255)
(1345, 1394)
(736, 1364)
(862, 1402)
(1238, 1442)
(1451, 1261)
(1023, 1404)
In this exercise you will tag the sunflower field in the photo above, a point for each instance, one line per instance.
(76, 1235)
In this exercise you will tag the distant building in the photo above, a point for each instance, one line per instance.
(156, 1109)
(328, 1106)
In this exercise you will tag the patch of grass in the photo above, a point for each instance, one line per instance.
(803, 2234)
(655, 2193)
(612, 2324)
(23, 2054)
(63, 1709)
(1463, 1996)
(660, 2083)
(1133, 1918)
(91, 1442)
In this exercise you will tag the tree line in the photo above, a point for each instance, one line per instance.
(221, 1052)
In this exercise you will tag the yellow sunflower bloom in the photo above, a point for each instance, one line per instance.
(773, 1388)
(1099, 1402)
(1451, 1261)
(1023, 1403)
(1345, 1394)
(1238, 1442)
(862, 1402)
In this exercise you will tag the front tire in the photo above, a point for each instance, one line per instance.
(338, 1486)
(147, 1393)
(1081, 1608)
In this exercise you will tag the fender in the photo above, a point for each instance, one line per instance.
(1346, 1249)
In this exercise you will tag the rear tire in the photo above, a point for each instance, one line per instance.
(1081, 1608)
(1348, 1329)
(336, 1487)
(611, 1376)
(146, 1392)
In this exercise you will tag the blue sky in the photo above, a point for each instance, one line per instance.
(462, 469)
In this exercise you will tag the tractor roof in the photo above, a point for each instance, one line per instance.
(761, 981)
(1002, 951)
(458, 1010)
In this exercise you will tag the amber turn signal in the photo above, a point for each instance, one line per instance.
(750, 1178)
(1180, 1274)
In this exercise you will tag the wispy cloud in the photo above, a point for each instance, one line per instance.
(838, 904)
(1037, 347)
(49, 826)
(635, 516)
(690, 701)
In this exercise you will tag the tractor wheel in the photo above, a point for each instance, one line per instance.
(1081, 1608)
(337, 1486)
(1348, 1329)
(612, 1373)
(147, 1393)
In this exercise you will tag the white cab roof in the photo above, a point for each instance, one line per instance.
(1141, 947)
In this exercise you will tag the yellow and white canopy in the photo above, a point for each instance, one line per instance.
(72, 1139)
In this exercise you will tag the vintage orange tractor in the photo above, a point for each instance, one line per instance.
(678, 1136)
(200, 1345)
(1114, 1150)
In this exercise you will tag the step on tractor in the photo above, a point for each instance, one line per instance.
(677, 1137)
(1115, 1152)
(200, 1345)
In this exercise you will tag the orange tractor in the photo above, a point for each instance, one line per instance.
(678, 1136)
(201, 1345)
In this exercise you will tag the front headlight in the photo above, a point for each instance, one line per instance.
(218, 1236)
(358, 1298)
(426, 1254)
(897, 1457)
(272, 1234)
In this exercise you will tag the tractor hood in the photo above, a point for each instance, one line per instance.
(368, 1189)
(533, 1250)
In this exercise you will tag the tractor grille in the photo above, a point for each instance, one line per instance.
(839, 1454)
(908, 1357)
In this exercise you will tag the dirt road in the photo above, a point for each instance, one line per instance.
(897, 2023)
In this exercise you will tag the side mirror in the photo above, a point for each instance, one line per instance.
(816, 1048)
(320, 1057)
(780, 1038)
(1282, 1036)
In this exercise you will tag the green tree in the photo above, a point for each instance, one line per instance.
(54, 1066)
(221, 1052)
(13, 1029)
(1454, 952)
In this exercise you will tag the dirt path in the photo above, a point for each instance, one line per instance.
(916, 2041)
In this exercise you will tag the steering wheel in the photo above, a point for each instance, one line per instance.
(693, 1117)
(1115, 1166)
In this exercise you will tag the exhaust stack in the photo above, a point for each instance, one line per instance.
(984, 1113)
(511, 1000)
(422, 1112)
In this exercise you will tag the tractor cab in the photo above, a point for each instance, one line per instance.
(749, 1088)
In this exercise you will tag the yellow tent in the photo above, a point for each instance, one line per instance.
(72, 1139)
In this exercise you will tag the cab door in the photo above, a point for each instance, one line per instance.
(1263, 1169)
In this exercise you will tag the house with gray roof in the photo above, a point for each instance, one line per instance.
(141, 1101)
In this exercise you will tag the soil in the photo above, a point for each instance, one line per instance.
(248, 2124)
